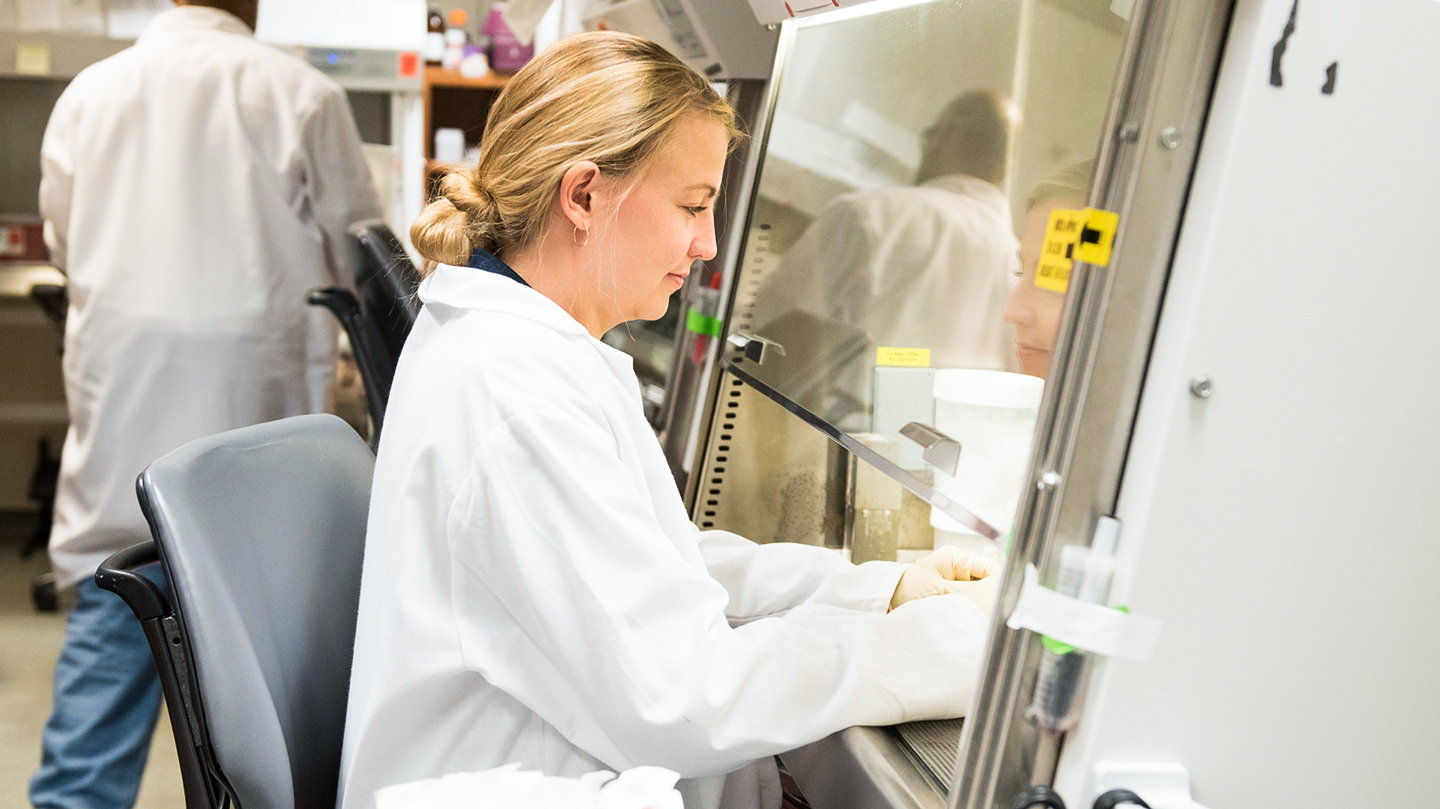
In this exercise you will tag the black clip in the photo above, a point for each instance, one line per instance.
(1039, 795)
(1116, 797)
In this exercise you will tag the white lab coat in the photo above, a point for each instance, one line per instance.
(194, 187)
(929, 266)
(534, 591)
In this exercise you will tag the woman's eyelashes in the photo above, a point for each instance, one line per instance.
(696, 210)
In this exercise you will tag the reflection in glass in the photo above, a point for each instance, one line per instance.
(928, 265)
(904, 147)
(1035, 311)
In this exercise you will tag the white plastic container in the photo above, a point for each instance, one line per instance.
(449, 145)
(992, 415)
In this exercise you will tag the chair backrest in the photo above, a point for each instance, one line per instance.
(261, 531)
(387, 281)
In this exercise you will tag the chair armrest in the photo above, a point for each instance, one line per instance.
(339, 300)
(377, 370)
(143, 596)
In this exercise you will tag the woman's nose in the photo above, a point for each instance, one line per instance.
(1016, 312)
(703, 245)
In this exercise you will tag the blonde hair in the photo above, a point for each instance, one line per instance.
(607, 97)
(1069, 183)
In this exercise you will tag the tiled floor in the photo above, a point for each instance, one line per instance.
(29, 644)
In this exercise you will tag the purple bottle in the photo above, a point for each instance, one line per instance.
(506, 52)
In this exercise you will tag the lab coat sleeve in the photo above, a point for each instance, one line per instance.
(570, 597)
(340, 188)
(776, 577)
(57, 174)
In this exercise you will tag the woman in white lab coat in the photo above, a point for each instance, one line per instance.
(533, 590)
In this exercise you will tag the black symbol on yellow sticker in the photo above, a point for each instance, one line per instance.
(1086, 235)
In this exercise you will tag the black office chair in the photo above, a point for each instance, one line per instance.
(379, 319)
(54, 301)
(260, 532)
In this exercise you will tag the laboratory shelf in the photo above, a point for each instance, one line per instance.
(440, 77)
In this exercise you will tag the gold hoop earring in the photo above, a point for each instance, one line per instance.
(575, 234)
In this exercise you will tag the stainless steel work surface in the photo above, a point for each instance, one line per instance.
(863, 768)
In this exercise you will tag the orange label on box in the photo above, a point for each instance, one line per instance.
(409, 64)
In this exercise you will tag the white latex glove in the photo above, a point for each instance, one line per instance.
(950, 570)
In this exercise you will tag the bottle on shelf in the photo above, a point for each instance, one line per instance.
(507, 52)
(434, 51)
(455, 40)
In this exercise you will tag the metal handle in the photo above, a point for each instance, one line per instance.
(754, 347)
(941, 451)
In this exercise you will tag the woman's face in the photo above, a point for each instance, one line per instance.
(1035, 311)
(667, 220)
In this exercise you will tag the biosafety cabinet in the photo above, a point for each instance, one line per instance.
(1204, 443)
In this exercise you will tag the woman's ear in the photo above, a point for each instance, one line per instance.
(577, 191)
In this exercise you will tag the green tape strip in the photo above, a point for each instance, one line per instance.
(1062, 648)
(1056, 646)
(702, 324)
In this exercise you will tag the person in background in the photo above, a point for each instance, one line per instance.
(194, 186)
(533, 589)
(1035, 311)
(923, 266)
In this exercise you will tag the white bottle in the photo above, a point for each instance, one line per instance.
(455, 39)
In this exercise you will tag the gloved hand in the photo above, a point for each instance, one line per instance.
(950, 570)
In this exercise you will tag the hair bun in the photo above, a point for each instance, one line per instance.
(441, 234)
(463, 190)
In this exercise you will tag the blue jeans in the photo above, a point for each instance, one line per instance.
(107, 699)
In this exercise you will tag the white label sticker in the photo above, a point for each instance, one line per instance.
(1092, 627)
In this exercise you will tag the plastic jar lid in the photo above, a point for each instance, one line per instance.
(988, 388)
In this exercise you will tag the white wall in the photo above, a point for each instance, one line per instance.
(1287, 530)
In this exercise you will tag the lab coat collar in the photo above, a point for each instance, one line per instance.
(482, 259)
(194, 18)
(469, 288)
(971, 187)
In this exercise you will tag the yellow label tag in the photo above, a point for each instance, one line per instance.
(32, 60)
(1097, 237)
(1072, 236)
(903, 357)
(1061, 234)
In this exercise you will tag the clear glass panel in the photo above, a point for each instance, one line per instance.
(914, 155)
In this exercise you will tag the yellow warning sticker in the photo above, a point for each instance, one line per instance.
(1071, 236)
(1097, 236)
(1056, 252)
(903, 357)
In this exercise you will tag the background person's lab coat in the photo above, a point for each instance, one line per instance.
(929, 266)
(534, 592)
(194, 187)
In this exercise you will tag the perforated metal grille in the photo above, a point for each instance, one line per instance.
(935, 744)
